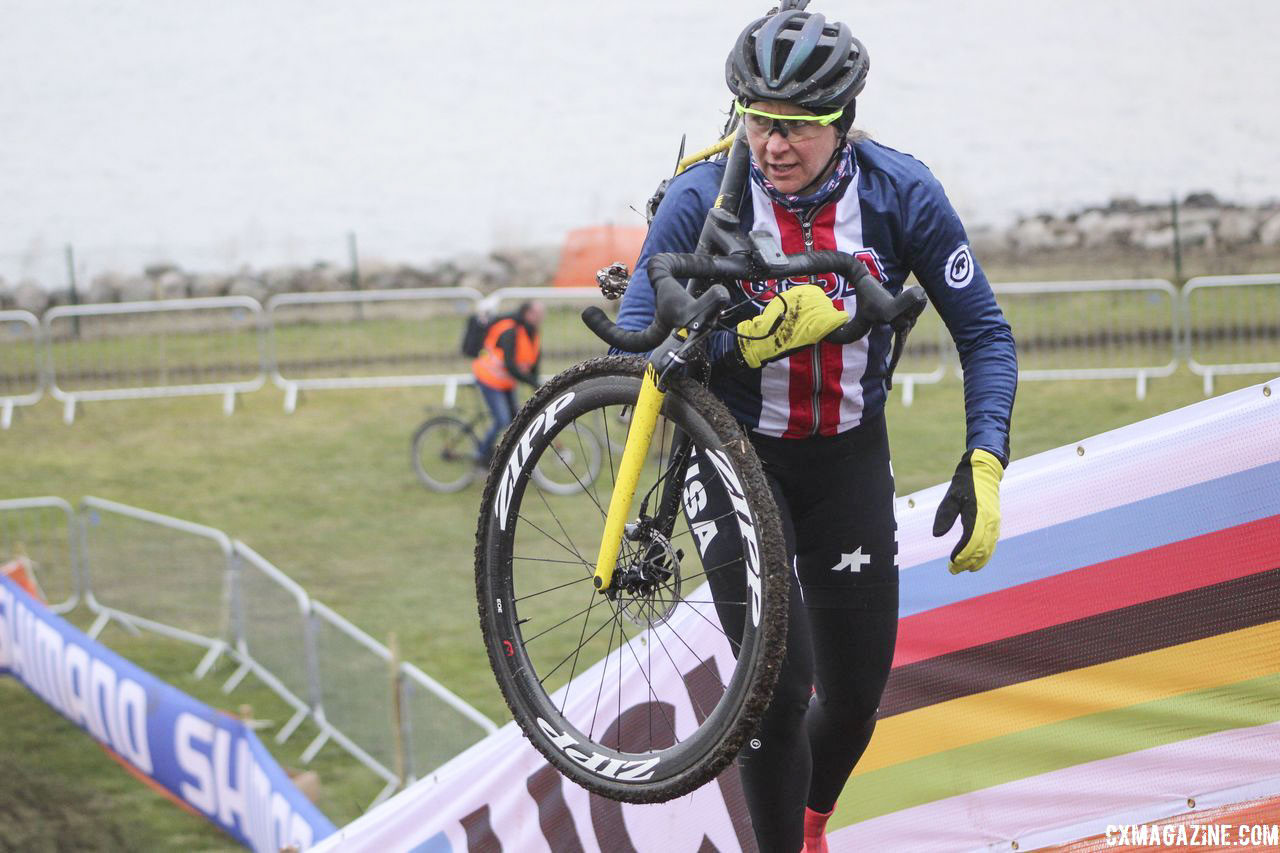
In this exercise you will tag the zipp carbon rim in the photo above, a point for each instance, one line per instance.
(649, 692)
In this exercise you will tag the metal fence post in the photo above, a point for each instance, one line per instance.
(406, 725)
(313, 663)
(1177, 244)
(397, 709)
(354, 254)
(71, 284)
(355, 260)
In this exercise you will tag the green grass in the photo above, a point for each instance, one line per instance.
(327, 495)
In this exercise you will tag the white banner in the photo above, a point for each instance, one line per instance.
(1143, 518)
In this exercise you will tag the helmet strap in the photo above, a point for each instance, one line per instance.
(843, 125)
(825, 171)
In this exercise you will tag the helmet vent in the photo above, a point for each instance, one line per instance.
(797, 57)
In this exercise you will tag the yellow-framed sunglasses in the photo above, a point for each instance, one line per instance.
(792, 127)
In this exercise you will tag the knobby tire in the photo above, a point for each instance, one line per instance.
(545, 626)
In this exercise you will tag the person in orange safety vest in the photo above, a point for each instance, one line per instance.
(512, 349)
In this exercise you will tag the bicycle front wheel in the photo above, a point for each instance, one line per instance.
(443, 454)
(649, 690)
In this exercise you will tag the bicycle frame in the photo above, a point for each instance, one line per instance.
(645, 416)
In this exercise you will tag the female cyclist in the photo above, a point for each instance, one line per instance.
(815, 411)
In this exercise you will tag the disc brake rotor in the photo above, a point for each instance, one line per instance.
(646, 588)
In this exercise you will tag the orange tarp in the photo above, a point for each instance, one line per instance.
(589, 249)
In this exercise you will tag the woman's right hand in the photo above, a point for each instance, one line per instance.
(794, 319)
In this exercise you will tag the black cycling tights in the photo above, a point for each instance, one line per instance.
(835, 496)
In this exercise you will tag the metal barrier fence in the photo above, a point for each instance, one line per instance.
(1093, 329)
(355, 705)
(428, 729)
(153, 571)
(21, 375)
(367, 339)
(395, 338)
(159, 348)
(193, 583)
(1233, 325)
(43, 529)
(273, 634)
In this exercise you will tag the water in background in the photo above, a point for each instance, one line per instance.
(219, 133)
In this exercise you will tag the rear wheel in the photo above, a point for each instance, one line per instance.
(444, 454)
(645, 692)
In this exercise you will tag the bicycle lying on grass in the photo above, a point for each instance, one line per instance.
(445, 454)
(601, 587)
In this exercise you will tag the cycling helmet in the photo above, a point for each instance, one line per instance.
(797, 57)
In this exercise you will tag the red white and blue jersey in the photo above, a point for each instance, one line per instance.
(893, 215)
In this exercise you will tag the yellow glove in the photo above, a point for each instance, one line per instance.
(975, 497)
(794, 319)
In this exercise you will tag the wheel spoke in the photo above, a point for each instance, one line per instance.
(581, 642)
(542, 563)
(569, 548)
(556, 517)
(555, 588)
(586, 456)
(551, 560)
(543, 679)
(604, 673)
(565, 621)
(676, 666)
(706, 573)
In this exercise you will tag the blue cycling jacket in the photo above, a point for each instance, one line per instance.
(894, 216)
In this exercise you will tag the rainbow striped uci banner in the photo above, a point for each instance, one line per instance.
(1117, 662)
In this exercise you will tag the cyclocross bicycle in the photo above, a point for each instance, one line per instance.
(635, 667)
(445, 454)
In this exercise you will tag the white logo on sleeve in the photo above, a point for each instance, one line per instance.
(960, 266)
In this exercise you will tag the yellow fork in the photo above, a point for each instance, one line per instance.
(643, 422)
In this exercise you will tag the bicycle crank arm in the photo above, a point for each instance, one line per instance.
(643, 422)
